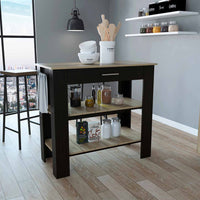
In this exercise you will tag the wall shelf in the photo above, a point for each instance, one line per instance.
(161, 34)
(163, 16)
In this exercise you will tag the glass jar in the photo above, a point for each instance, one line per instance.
(106, 94)
(143, 28)
(75, 96)
(141, 13)
(118, 100)
(149, 28)
(89, 102)
(116, 127)
(173, 27)
(164, 27)
(156, 28)
(106, 129)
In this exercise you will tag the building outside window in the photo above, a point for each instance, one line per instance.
(17, 49)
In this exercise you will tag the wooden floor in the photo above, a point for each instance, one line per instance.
(173, 171)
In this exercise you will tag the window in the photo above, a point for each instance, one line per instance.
(17, 48)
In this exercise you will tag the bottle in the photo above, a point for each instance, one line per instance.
(93, 93)
(99, 95)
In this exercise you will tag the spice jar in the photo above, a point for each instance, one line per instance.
(149, 28)
(143, 28)
(164, 27)
(173, 26)
(89, 102)
(141, 12)
(106, 94)
(116, 127)
(75, 96)
(106, 129)
(156, 28)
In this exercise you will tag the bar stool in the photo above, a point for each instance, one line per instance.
(17, 74)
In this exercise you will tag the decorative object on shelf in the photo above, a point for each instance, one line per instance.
(116, 127)
(75, 96)
(106, 94)
(118, 100)
(82, 132)
(106, 129)
(173, 27)
(143, 28)
(156, 28)
(89, 102)
(88, 52)
(163, 6)
(94, 131)
(99, 95)
(149, 28)
(153, 8)
(75, 23)
(108, 33)
(164, 27)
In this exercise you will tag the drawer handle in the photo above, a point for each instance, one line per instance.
(111, 74)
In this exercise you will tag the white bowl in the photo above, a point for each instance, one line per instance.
(88, 59)
(87, 45)
(91, 50)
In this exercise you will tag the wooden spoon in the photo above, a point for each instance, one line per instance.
(101, 31)
(117, 30)
(105, 22)
(112, 30)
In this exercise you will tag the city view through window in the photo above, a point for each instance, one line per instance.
(17, 50)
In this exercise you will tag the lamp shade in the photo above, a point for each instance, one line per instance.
(75, 24)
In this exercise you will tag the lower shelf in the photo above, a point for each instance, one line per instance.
(128, 136)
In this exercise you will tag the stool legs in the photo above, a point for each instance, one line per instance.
(27, 105)
(4, 107)
(18, 112)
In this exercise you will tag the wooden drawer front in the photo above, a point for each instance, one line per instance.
(103, 75)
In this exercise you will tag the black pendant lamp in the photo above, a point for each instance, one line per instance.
(75, 24)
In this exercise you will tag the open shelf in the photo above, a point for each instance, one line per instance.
(163, 16)
(161, 34)
(128, 136)
(82, 112)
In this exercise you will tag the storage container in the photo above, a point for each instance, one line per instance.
(94, 131)
(173, 27)
(163, 6)
(116, 127)
(106, 129)
(164, 27)
(153, 8)
(156, 28)
(143, 28)
(149, 28)
(107, 52)
(106, 94)
(175, 5)
(75, 96)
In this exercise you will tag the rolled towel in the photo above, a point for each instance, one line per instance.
(43, 93)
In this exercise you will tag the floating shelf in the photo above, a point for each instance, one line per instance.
(128, 136)
(161, 34)
(164, 16)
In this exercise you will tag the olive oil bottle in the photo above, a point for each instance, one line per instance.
(99, 95)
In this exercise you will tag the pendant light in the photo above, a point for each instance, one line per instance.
(75, 24)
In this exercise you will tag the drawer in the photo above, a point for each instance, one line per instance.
(103, 75)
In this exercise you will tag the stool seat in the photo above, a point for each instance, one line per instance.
(15, 73)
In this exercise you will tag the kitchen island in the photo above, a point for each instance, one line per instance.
(55, 138)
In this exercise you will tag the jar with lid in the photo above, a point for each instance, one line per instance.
(106, 129)
(116, 127)
(156, 28)
(75, 96)
(149, 28)
(163, 6)
(143, 29)
(141, 12)
(173, 26)
(118, 100)
(153, 8)
(164, 27)
(106, 94)
(89, 102)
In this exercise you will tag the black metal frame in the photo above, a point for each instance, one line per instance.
(2, 36)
